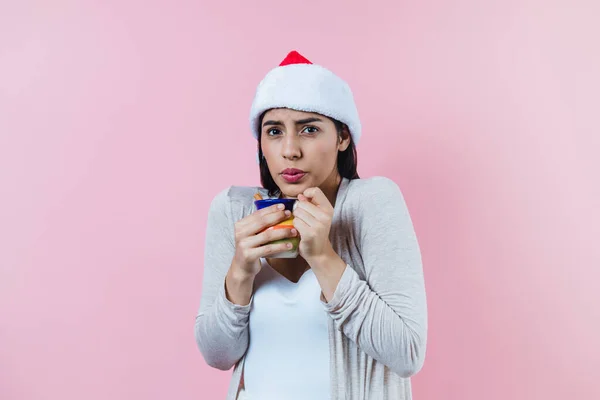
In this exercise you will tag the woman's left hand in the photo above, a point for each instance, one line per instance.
(312, 219)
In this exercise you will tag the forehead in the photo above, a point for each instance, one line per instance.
(282, 114)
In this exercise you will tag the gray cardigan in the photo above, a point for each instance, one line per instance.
(378, 324)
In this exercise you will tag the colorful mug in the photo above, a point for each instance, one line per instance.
(286, 224)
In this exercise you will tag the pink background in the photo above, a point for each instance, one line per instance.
(484, 112)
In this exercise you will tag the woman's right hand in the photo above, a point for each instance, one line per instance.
(251, 238)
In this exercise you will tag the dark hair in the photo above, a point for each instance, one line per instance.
(347, 160)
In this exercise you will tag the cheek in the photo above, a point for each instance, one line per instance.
(325, 155)
(267, 151)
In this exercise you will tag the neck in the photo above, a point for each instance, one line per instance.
(330, 187)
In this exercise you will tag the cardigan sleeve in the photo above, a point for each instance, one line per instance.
(386, 314)
(221, 327)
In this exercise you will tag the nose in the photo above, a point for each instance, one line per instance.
(291, 147)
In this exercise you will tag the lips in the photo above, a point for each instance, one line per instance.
(292, 175)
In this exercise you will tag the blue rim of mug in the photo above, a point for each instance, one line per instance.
(264, 203)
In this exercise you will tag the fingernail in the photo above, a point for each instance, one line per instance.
(280, 206)
(288, 213)
(294, 232)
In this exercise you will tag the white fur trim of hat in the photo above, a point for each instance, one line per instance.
(300, 85)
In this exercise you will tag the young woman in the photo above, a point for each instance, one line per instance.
(347, 318)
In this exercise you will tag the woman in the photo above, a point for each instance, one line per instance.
(347, 318)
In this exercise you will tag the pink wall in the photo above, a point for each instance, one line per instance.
(485, 113)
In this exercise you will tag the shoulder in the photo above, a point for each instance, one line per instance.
(373, 190)
(377, 204)
(235, 200)
(237, 193)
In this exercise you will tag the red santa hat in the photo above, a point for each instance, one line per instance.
(301, 85)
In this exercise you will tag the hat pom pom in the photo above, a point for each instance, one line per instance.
(294, 58)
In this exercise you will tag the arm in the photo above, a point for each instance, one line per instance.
(387, 314)
(221, 327)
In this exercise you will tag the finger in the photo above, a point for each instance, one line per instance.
(317, 197)
(270, 249)
(271, 235)
(262, 222)
(305, 217)
(249, 220)
(271, 209)
(303, 228)
(316, 212)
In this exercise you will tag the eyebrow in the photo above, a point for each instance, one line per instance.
(298, 122)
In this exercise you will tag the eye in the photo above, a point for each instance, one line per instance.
(273, 132)
(311, 130)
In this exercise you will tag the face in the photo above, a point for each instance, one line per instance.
(301, 150)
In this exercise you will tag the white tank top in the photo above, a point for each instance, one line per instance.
(288, 352)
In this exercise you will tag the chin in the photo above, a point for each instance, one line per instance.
(292, 190)
(287, 192)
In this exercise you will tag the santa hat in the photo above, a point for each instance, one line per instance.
(301, 85)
